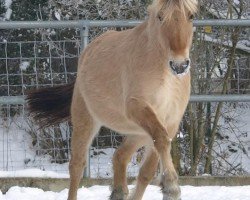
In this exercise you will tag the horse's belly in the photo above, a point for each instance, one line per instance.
(113, 118)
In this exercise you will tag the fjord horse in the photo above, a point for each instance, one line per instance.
(136, 82)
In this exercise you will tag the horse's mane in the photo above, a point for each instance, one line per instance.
(167, 7)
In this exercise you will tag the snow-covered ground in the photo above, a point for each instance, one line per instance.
(103, 192)
(152, 193)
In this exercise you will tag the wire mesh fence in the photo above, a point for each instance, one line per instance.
(52, 60)
(27, 65)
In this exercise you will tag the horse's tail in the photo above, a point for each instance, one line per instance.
(50, 106)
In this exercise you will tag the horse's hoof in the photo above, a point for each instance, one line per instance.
(170, 187)
(173, 192)
(171, 197)
(118, 195)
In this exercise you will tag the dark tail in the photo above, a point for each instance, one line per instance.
(50, 106)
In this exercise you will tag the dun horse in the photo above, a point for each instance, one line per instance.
(136, 82)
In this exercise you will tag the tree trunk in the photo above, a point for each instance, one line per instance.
(235, 37)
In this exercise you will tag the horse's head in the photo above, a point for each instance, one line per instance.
(174, 23)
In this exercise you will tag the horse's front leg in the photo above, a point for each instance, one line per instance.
(143, 114)
(169, 177)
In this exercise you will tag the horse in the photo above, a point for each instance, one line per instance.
(135, 82)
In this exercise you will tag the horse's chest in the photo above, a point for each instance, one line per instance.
(171, 99)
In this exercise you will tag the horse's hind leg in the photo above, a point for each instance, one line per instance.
(121, 159)
(84, 129)
(146, 174)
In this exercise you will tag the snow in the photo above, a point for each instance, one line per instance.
(57, 15)
(17, 152)
(237, 2)
(241, 45)
(8, 14)
(101, 165)
(152, 193)
(222, 13)
(238, 138)
(24, 65)
(18, 157)
(7, 3)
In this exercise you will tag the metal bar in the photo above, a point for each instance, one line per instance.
(19, 100)
(84, 34)
(223, 22)
(108, 23)
(220, 98)
(113, 23)
(12, 100)
(84, 43)
(67, 24)
(84, 37)
(39, 24)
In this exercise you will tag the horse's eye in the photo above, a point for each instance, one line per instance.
(160, 16)
(191, 17)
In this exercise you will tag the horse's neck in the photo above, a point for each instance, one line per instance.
(148, 35)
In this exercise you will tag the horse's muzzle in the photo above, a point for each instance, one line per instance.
(179, 67)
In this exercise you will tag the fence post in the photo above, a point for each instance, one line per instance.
(84, 37)
(84, 42)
